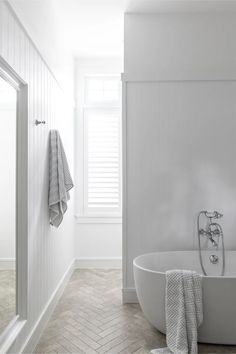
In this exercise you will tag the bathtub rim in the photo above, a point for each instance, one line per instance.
(179, 251)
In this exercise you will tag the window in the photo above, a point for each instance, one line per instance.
(102, 146)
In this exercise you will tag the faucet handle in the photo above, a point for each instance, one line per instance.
(218, 215)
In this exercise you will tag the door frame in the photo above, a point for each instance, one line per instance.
(18, 322)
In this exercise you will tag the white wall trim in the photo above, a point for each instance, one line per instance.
(98, 219)
(7, 263)
(124, 182)
(129, 296)
(147, 8)
(43, 319)
(181, 77)
(10, 333)
(102, 263)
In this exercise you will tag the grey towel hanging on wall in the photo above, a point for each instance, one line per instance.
(60, 181)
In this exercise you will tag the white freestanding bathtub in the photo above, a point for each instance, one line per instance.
(219, 292)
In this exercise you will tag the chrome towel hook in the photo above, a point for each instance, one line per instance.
(37, 122)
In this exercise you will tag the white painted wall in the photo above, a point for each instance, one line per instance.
(180, 134)
(95, 243)
(183, 45)
(50, 250)
(7, 177)
(98, 245)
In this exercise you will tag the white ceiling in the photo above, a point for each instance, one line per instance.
(87, 28)
(92, 27)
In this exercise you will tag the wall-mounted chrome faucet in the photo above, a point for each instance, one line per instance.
(214, 233)
(209, 235)
(213, 229)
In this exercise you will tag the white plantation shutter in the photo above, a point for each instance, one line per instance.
(103, 147)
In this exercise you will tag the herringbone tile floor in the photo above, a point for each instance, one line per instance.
(7, 297)
(90, 319)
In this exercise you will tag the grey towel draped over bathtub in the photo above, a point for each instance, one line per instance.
(60, 181)
(184, 312)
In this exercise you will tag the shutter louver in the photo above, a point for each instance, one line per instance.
(103, 154)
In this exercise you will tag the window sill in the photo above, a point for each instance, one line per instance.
(98, 219)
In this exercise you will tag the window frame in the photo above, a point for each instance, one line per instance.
(84, 213)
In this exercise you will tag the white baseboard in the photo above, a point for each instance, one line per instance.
(129, 296)
(102, 263)
(43, 319)
(7, 263)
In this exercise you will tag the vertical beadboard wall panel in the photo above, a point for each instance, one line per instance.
(179, 123)
(50, 250)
